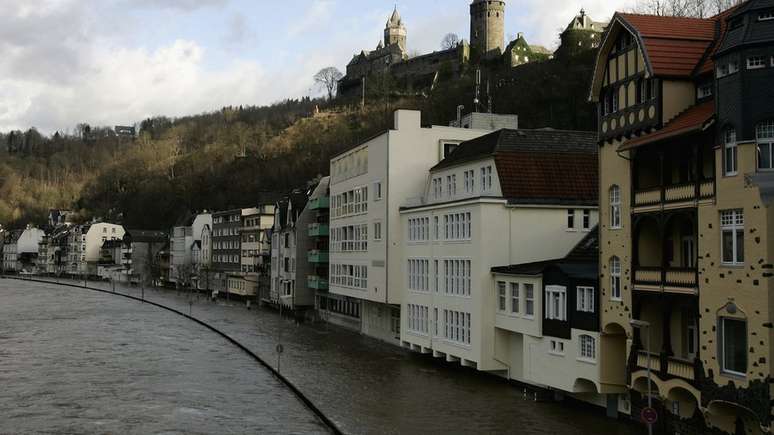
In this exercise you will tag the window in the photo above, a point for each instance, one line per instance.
(377, 231)
(615, 207)
(756, 62)
(732, 228)
(529, 300)
(457, 326)
(586, 219)
(417, 319)
(730, 155)
(458, 226)
(451, 185)
(515, 298)
(733, 338)
(501, 301)
(486, 179)
(470, 181)
(570, 219)
(733, 67)
(457, 280)
(437, 188)
(766, 15)
(615, 279)
(557, 347)
(378, 191)
(723, 70)
(556, 303)
(588, 348)
(419, 275)
(585, 299)
(448, 148)
(704, 91)
(614, 107)
(764, 134)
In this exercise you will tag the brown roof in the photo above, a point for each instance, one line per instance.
(691, 120)
(539, 178)
(674, 46)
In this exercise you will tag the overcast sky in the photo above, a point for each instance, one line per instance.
(116, 62)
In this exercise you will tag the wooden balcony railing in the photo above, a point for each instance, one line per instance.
(665, 279)
(675, 194)
(667, 365)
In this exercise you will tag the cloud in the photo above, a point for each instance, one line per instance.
(315, 17)
(183, 5)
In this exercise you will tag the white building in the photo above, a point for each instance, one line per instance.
(285, 251)
(510, 197)
(369, 183)
(85, 245)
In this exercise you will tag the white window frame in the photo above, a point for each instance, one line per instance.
(764, 136)
(766, 15)
(571, 221)
(586, 220)
(515, 298)
(730, 153)
(555, 293)
(615, 207)
(502, 297)
(722, 358)
(732, 221)
(587, 348)
(378, 191)
(556, 347)
(756, 62)
(615, 279)
(584, 300)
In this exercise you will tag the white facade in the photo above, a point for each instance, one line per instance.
(369, 184)
(453, 235)
(86, 244)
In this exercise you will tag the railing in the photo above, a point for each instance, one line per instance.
(669, 277)
(320, 203)
(680, 368)
(677, 193)
(318, 230)
(667, 365)
(317, 256)
(317, 283)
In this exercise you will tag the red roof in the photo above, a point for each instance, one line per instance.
(549, 177)
(690, 121)
(673, 45)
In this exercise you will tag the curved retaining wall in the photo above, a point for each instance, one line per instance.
(306, 401)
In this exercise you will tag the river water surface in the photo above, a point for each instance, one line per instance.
(75, 361)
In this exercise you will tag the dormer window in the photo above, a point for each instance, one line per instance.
(766, 15)
(756, 62)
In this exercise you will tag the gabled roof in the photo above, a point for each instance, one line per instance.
(537, 166)
(695, 119)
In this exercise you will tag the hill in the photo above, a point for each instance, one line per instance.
(239, 156)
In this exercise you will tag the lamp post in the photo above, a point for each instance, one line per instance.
(641, 324)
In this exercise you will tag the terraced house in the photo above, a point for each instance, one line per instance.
(686, 126)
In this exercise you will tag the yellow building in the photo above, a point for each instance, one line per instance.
(685, 130)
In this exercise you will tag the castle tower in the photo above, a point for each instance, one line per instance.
(395, 32)
(487, 27)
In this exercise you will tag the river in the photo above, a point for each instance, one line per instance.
(77, 361)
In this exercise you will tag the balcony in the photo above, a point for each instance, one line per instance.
(318, 230)
(667, 366)
(317, 283)
(673, 197)
(323, 203)
(673, 280)
(317, 256)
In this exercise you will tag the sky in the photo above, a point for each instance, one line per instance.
(117, 62)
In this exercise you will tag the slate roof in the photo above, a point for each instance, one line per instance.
(537, 166)
(692, 120)
(581, 262)
(753, 31)
(146, 236)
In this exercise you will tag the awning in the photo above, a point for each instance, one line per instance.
(697, 118)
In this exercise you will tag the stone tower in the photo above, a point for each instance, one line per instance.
(395, 32)
(487, 27)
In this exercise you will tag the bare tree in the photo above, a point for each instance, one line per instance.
(450, 41)
(328, 79)
(684, 8)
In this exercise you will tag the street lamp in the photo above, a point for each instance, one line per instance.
(641, 324)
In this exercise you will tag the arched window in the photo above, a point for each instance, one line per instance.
(587, 347)
(615, 207)
(615, 279)
(764, 135)
(729, 155)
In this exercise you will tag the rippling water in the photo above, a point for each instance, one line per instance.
(72, 361)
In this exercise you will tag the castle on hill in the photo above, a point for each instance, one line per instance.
(487, 44)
